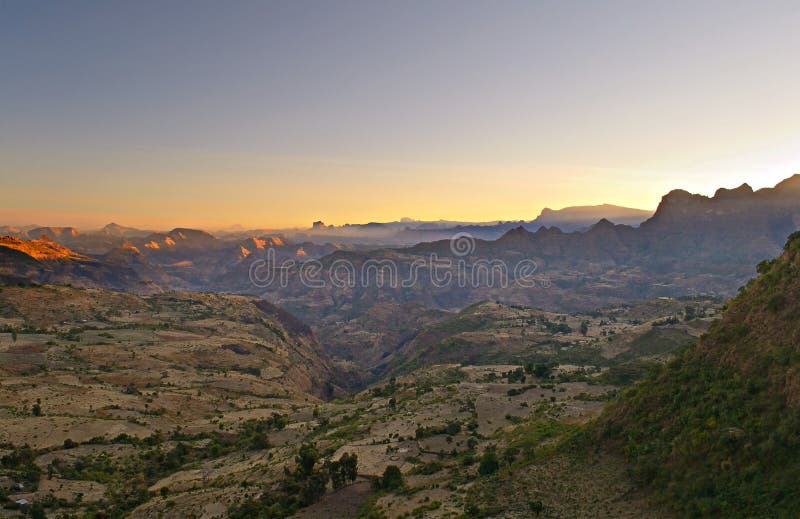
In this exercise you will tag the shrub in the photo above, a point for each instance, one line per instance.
(489, 463)
(392, 478)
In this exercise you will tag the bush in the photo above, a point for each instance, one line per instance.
(489, 463)
(392, 478)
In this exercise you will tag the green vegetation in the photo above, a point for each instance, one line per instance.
(584, 328)
(657, 341)
(19, 463)
(392, 479)
(710, 441)
(628, 373)
(343, 470)
(128, 478)
(298, 488)
(714, 432)
(489, 463)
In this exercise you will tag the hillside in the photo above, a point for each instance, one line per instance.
(618, 339)
(94, 329)
(103, 394)
(113, 372)
(42, 249)
(369, 340)
(714, 433)
(45, 261)
(199, 402)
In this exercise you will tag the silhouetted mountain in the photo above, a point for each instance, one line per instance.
(692, 244)
(580, 217)
(568, 219)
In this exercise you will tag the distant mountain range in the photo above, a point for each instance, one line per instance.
(399, 233)
(407, 232)
(691, 244)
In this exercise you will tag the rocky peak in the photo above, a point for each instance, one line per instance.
(603, 225)
(740, 192)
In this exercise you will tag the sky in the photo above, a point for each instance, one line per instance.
(276, 114)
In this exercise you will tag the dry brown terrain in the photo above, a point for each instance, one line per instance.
(149, 406)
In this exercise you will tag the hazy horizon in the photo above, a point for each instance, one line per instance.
(274, 115)
(96, 224)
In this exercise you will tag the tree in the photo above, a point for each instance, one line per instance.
(584, 328)
(14, 335)
(489, 464)
(392, 478)
(452, 428)
(37, 407)
(259, 440)
(541, 370)
(342, 470)
(306, 459)
(349, 463)
(314, 488)
(334, 469)
(516, 375)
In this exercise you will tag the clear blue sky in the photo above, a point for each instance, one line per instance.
(280, 113)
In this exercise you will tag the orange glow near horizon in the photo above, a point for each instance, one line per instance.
(472, 194)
